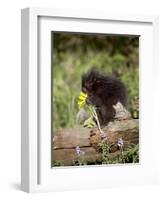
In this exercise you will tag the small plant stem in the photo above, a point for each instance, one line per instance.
(121, 149)
(93, 111)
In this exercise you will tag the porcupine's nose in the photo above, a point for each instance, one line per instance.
(84, 90)
(88, 101)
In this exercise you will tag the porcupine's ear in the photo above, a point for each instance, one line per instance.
(96, 77)
(90, 80)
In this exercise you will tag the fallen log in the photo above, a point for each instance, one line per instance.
(65, 141)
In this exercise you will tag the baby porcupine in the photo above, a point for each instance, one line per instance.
(104, 92)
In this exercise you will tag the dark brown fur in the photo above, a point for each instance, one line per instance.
(103, 92)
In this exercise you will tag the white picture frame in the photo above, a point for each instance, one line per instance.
(36, 171)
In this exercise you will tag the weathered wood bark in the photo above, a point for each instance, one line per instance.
(65, 141)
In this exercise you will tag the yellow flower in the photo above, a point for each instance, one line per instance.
(82, 100)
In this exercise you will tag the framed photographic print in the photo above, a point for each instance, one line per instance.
(86, 97)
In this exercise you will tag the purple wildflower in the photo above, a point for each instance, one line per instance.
(78, 151)
(103, 135)
(120, 143)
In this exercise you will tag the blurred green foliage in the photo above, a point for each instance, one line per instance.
(74, 54)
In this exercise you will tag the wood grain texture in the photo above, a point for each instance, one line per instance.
(66, 140)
